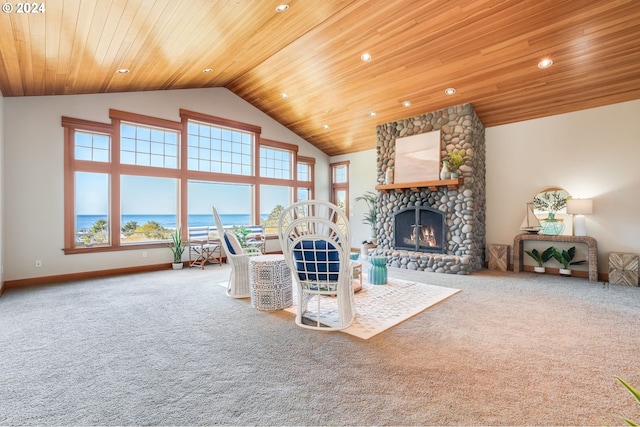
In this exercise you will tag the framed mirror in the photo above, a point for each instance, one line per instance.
(550, 207)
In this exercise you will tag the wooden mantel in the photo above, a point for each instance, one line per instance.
(451, 184)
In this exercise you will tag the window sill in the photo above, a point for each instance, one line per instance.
(108, 248)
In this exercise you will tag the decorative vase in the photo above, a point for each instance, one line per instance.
(455, 175)
(539, 269)
(378, 270)
(388, 176)
(551, 228)
(444, 172)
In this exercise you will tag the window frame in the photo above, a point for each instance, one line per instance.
(340, 186)
(310, 184)
(115, 170)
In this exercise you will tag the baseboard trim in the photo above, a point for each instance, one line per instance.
(45, 280)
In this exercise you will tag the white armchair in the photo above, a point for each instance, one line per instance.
(315, 240)
(238, 258)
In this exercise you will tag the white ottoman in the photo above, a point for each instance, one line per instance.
(270, 282)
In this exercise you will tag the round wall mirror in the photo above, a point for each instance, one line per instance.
(550, 207)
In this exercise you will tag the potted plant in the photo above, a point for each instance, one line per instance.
(370, 218)
(541, 258)
(455, 159)
(241, 232)
(550, 202)
(177, 247)
(565, 257)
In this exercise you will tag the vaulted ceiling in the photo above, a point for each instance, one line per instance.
(488, 50)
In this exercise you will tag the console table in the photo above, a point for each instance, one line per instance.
(590, 241)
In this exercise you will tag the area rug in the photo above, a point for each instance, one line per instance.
(379, 307)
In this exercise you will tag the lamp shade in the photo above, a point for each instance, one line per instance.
(580, 206)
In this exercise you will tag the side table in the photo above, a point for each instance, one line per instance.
(270, 282)
(378, 270)
(591, 243)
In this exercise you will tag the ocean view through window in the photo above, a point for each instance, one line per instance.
(131, 182)
(85, 222)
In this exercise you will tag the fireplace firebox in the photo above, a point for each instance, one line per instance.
(419, 229)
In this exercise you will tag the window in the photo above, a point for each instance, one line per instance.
(275, 163)
(273, 200)
(304, 184)
(92, 224)
(147, 146)
(277, 183)
(216, 149)
(148, 208)
(131, 182)
(92, 147)
(232, 201)
(340, 185)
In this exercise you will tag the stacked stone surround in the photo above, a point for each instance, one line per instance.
(464, 208)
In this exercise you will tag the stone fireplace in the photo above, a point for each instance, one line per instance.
(435, 227)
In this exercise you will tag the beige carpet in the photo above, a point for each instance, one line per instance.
(170, 348)
(378, 307)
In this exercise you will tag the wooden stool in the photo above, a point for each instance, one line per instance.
(623, 269)
(498, 257)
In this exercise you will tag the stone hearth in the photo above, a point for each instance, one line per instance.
(464, 207)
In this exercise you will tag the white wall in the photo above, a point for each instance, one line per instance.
(362, 177)
(33, 195)
(591, 153)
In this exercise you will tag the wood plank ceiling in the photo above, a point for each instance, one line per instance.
(487, 50)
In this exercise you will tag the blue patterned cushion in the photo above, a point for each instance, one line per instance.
(315, 258)
(232, 243)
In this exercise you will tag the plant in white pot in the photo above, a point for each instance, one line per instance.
(565, 257)
(370, 218)
(177, 248)
(540, 258)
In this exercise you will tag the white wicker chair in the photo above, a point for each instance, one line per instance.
(238, 258)
(315, 239)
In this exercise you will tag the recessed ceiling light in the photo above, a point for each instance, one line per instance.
(207, 70)
(372, 113)
(407, 103)
(282, 8)
(450, 90)
(123, 71)
(284, 95)
(325, 126)
(545, 63)
(365, 57)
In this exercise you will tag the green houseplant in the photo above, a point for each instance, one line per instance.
(455, 159)
(370, 218)
(540, 258)
(634, 392)
(565, 257)
(177, 247)
(241, 232)
(371, 215)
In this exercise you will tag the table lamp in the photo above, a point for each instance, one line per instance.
(579, 207)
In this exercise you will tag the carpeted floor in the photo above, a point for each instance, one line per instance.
(170, 348)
